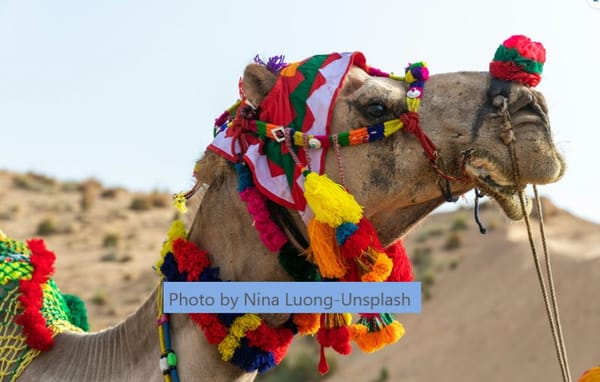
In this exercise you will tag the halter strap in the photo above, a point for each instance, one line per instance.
(416, 75)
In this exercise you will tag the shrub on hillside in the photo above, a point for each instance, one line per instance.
(47, 227)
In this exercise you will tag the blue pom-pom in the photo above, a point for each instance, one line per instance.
(169, 269)
(210, 274)
(227, 318)
(344, 231)
(244, 176)
(250, 358)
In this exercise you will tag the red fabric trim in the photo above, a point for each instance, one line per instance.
(509, 71)
(37, 335)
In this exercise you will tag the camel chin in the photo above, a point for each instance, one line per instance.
(488, 177)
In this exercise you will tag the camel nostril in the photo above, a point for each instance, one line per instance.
(524, 101)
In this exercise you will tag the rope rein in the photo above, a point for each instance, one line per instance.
(548, 290)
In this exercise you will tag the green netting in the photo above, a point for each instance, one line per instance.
(15, 355)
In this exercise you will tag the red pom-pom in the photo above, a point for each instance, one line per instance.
(526, 47)
(402, 269)
(336, 338)
(190, 259)
(213, 329)
(364, 237)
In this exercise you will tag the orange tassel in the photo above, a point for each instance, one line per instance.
(307, 323)
(324, 250)
(374, 265)
(373, 333)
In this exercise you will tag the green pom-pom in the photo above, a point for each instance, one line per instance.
(296, 265)
(77, 312)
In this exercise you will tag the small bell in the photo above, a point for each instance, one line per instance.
(314, 143)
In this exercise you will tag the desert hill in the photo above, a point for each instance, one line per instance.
(482, 318)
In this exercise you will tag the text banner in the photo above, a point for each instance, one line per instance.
(291, 297)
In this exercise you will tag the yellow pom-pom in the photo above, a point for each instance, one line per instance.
(227, 347)
(307, 323)
(2, 235)
(179, 202)
(176, 231)
(237, 331)
(324, 250)
(330, 202)
(244, 323)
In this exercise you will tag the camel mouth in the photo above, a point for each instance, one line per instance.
(490, 178)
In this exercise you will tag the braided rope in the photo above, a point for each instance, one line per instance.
(548, 292)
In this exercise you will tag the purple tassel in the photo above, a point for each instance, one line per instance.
(274, 64)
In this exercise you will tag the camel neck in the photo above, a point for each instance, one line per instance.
(130, 351)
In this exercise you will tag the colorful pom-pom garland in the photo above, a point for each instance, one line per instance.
(519, 59)
(242, 339)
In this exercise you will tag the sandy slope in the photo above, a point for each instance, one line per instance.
(486, 320)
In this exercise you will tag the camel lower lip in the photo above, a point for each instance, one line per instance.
(493, 183)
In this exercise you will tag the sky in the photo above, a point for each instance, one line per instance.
(127, 91)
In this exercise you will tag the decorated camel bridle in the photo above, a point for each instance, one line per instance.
(343, 244)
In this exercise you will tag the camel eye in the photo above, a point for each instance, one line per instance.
(376, 110)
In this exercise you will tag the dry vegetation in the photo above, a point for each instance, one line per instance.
(105, 248)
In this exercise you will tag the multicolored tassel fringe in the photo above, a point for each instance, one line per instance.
(334, 332)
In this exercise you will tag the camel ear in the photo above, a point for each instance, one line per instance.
(257, 83)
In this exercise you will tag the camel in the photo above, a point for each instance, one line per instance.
(390, 178)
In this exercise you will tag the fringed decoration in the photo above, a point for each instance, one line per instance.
(250, 358)
(190, 259)
(213, 329)
(402, 269)
(236, 332)
(330, 202)
(37, 335)
(296, 264)
(274, 64)
(373, 331)
(415, 74)
(176, 231)
(374, 266)
(324, 251)
(363, 238)
(307, 323)
(270, 234)
(364, 249)
(335, 333)
(242, 339)
(344, 231)
(179, 202)
(519, 59)
(77, 312)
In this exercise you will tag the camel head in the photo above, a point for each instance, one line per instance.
(465, 115)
